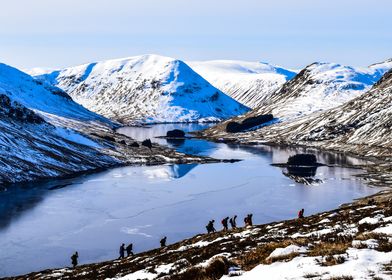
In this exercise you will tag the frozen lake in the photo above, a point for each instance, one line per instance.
(41, 225)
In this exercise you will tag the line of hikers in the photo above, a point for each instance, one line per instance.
(210, 228)
(226, 221)
(122, 250)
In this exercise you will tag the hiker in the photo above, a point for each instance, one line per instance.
(224, 224)
(74, 259)
(163, 242)
(210, 226)
(233, 222)
(248, 220)
(122, 251)
(301, 213)
(129, 250)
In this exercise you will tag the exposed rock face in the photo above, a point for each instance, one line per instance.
(18, 112)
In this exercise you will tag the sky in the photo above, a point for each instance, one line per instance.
(290, 33)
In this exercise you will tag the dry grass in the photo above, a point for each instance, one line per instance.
(328, 249)
(215, 270)
(260, 255)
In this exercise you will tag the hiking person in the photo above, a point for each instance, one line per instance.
(224, 224)
(163, 242)
(250, 222)
(122, 251)
(301, 213)
(74, 259)
(129, 250)
(233, 222)
(210, 226)
(246, 221)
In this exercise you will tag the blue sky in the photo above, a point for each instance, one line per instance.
(47, 33)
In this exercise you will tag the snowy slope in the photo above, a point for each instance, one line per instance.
(249, 83)
(41, 97)
(361, 126)
(35, 141)
(365, 122)
(321, 86)
(148, 88)
(44, 133)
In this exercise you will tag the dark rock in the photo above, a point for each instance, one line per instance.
(248, 123)
(135, 145)
(303, 160)
(109, 138)
(122, 142)
(18, 112)
(147, 143)
(175, 133)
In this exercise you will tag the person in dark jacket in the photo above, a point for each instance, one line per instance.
(129, 250)
(250, 221)
(301, 213)
(163, 241)
(122, 251)
(74, 259)
(233, 222)
(225, 224)
(210, 226)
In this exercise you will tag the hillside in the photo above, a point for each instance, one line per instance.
(149, 88)
(360, 126)
(352, 242)
(44, 133)
(319, 87)
(250, 83)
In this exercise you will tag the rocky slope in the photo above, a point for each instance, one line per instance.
(250, 83)
(361, 126)
(319, 87)
(149, 88)
(352, 242)
(44, 133)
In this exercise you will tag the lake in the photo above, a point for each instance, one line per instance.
(42, 224)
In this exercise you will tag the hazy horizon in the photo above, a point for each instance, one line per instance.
(56, 34)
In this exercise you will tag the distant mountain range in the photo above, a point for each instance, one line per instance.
(148, 88)
(47, 131)
(351, 111)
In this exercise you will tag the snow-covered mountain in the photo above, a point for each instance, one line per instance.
(363, 125)
(250, 83)
(34, 137)
(149, 88)
(44, 133)
(42, 97)
(319, 87)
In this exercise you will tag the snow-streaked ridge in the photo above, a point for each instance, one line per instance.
(247, 82)
(148, 88)
(319, 87)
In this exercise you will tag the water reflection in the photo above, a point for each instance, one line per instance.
(140, 203)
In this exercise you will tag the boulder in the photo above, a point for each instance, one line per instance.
(303, 160)
(135, 145)
(147, 143)
(176, 133)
